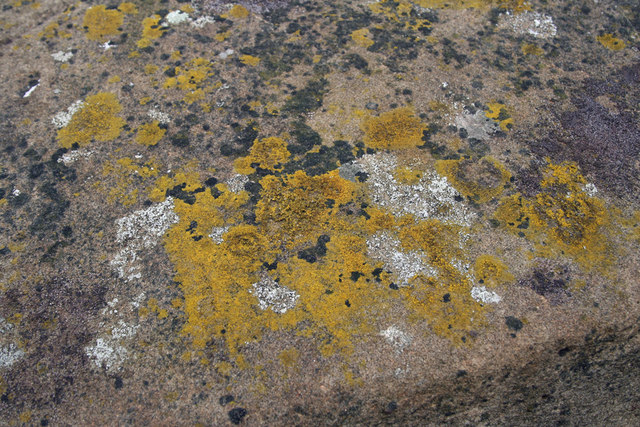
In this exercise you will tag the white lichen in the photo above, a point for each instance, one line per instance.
(202, 21)
(227, 53)
(273, 296)
(396, 337)
(236, 183)
(9, 354)
(141, 230)
(530, 23)
(63, 118)
(217, 233)
(176, 17)
(481, 294)
(109, 351)
(71, 157)
(61, 56)
(431, 197)
(159, 116)
(385, 247)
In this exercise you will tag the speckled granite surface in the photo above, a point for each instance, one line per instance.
(319, 213)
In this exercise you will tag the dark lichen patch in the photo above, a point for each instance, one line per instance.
(552, 283)
(513, 323)
(308, 98)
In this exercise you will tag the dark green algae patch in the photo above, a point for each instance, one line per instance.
(268, 212)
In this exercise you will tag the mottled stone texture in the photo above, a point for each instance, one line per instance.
(305, 212)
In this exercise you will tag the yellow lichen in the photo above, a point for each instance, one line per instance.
(362, 37)
(406, 175)
(268, 153)
(150, 133)
(490, 271)
(100, 22)
(150, 69)
(445, 300)
(498, 112)
(237, 12)
(97, 120)
(479, 180)
(562, 218)
(121, 178)
(531, 49)
(611, 42)
(250, 60)
(128, 8)
(292, 208)
(395, 129)
(191, 75)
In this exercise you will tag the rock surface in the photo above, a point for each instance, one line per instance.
(320, 213)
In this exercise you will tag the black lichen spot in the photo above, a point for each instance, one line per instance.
(446, 298)
(347, 303)
(355, 275)
(118, 382)
(563, 351)
(211, 182)
(307, 99)
(226, 399)
(305, 138)
(393, 286)
(180, 139)
(236, 415)
(312, 254)
(513, 323)
(179, 193)
(391, 407)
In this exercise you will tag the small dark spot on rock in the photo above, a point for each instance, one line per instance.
(391, 407)
(513, 323)
(236, 415)
(563, 351)
(118, 382)
(446, 298)
(226, 399)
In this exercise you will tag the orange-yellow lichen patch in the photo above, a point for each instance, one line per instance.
(399, 128)
(121, 178)
(400, 11)
(191, 75)
(443, 300)
(96, 120)
(362, 37)
(479, 180)
(267, 153)
(293, 208)
(490, 271)
(185, 176)
(100, 22)
(128, 8)
(237, 12)
(531, 49)
(499, 113)
(611, 42)
(562, 218)
(150, 133)
(53, 30)
(513, 5)
(250, 60)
